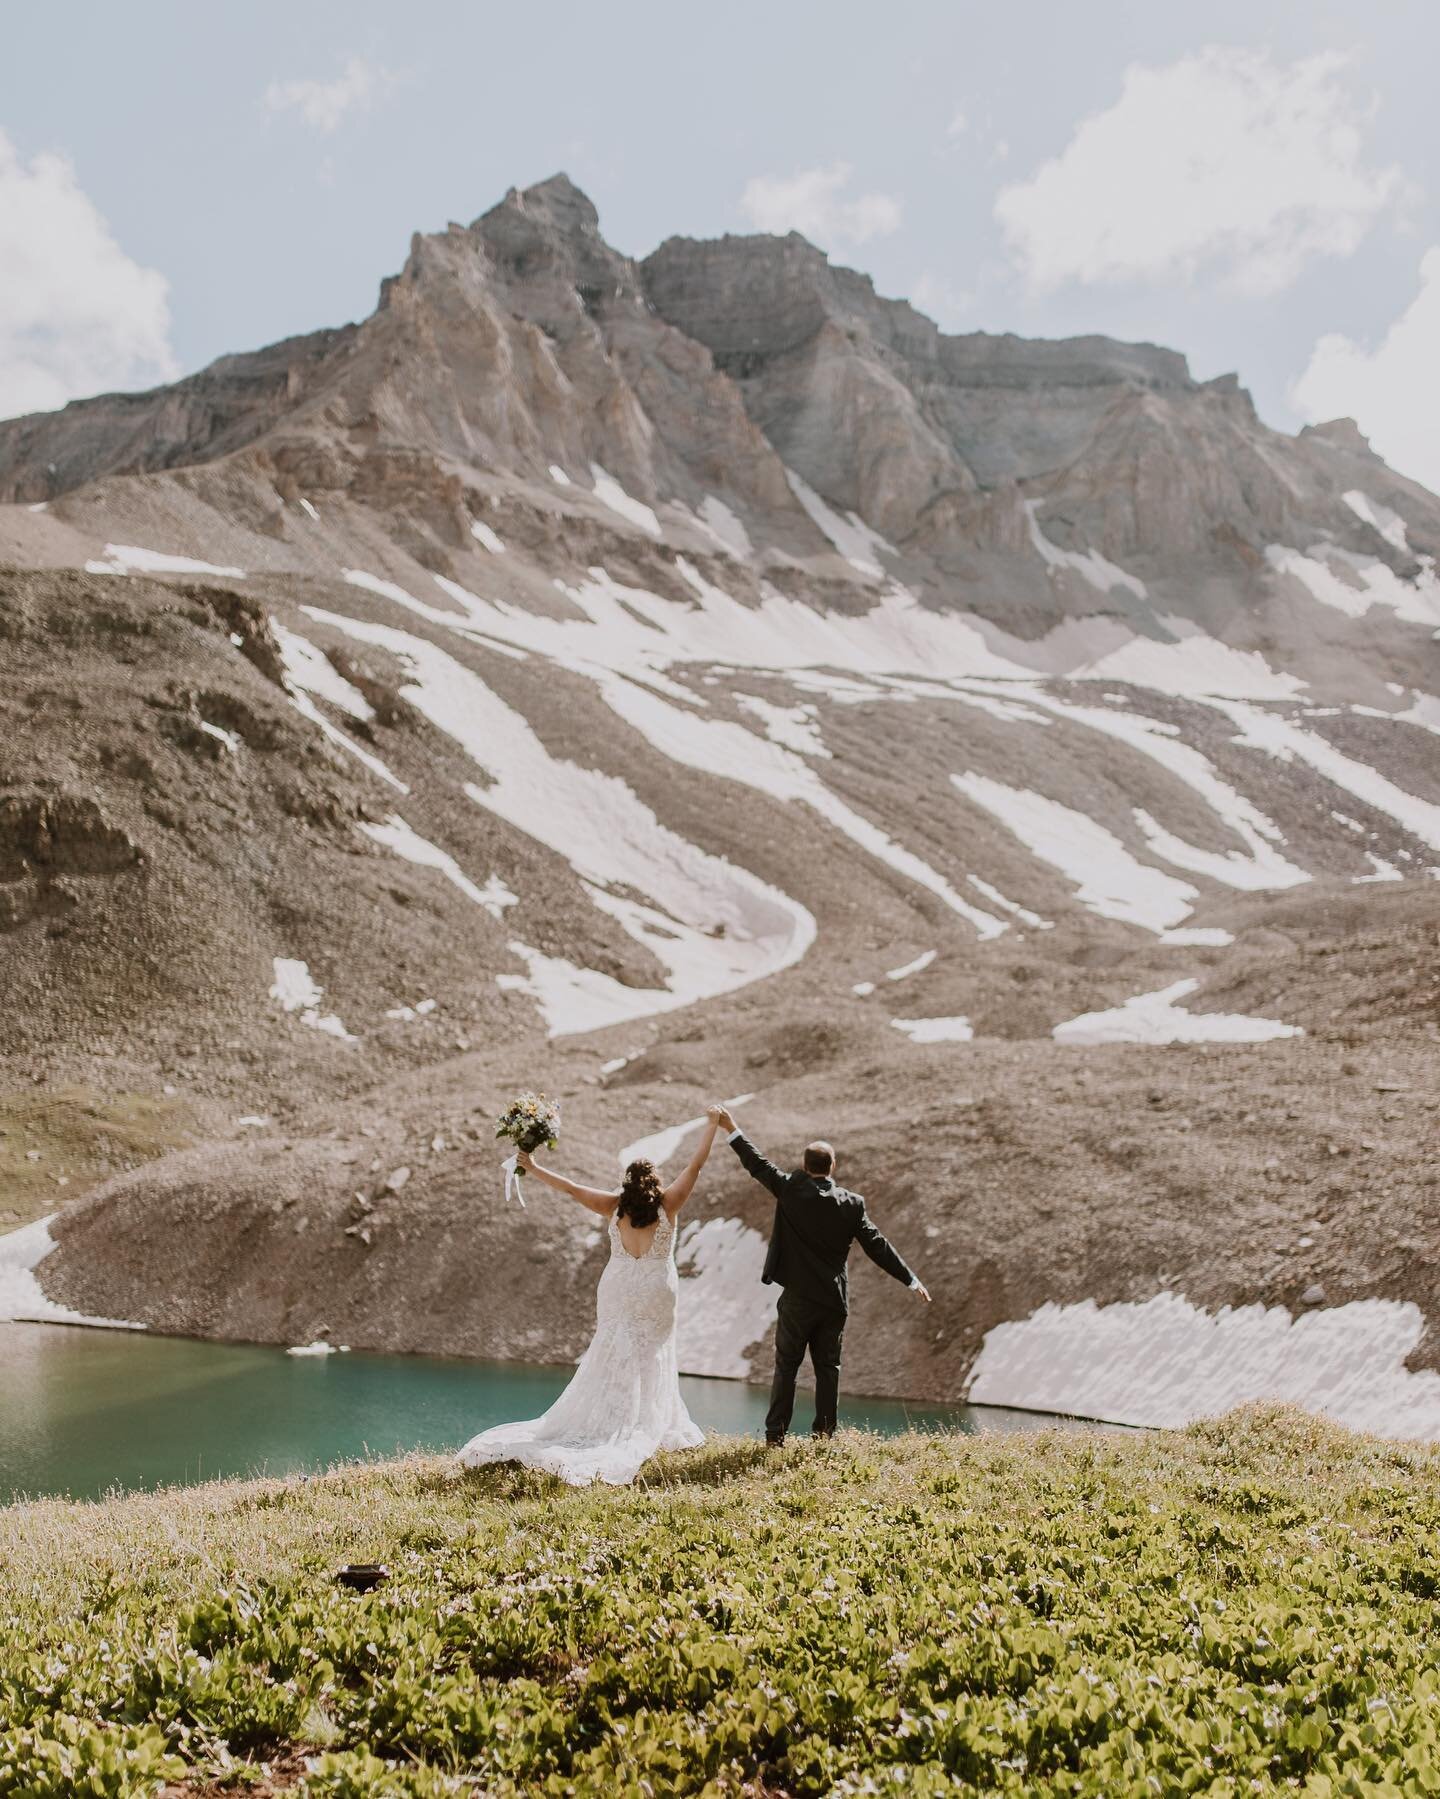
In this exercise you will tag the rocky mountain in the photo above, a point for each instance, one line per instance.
(704, 675)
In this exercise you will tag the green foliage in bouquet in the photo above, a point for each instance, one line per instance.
(530, 1122)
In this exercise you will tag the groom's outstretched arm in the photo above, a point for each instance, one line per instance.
(755, 1164)
(883, 1253)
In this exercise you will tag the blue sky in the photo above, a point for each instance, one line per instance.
(1252, 183)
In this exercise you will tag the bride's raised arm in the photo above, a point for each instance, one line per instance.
(683, 1185)
(592, 1198)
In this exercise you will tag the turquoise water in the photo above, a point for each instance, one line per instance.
(85, 1412)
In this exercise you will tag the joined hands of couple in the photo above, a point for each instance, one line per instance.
(724, 1120)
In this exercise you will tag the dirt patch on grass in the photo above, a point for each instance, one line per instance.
(278, 1773)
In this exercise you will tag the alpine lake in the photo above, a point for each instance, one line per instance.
(87, 1412)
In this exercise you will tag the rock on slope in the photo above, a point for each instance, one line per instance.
(575, 642)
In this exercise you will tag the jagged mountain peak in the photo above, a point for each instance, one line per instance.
(558, 200)
(544, 244)
(1344, 434)
(752, 371)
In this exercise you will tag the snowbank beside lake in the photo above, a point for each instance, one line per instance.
(1164, 1361)
(22, 1299)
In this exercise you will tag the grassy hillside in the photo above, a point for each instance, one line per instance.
(1245, 1607)
(57, 1141)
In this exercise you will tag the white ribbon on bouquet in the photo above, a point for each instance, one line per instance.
(510, 1168)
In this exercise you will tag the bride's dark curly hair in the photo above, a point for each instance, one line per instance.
(641, 1195)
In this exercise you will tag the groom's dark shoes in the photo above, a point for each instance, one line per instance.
(816, 1221)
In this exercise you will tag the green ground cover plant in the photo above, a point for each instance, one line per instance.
(1245, 1607)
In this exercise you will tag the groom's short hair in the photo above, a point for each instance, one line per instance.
(819, 1158)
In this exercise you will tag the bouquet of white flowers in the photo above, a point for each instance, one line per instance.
(530, 1122)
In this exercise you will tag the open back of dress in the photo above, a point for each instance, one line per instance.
(623, 1404)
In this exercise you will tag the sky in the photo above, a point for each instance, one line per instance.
(1256, 184)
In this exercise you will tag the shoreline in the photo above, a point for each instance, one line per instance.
(82, 1415)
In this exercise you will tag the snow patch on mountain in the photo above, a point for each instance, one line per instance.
(610, 493)
(310, 675)
(296, 990)
(1282, 738)
(1023, 913)
(712, 925)
(1108, 879)
(725, 527)
(307, 708)
(918, 966)
(1195, 663)
(935, 1030)
(130, 559)
(308, 667)
(398, 836)
(1381, 870)
(1156, 1018)
(1264, 868)
(1386, 521)
(228, 739)
(572, 999)
(1091, 565)
(797, 727)
(851, 536)
(1352, 584)
(1423, 710)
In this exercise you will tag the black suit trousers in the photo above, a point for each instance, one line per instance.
(802, 1324)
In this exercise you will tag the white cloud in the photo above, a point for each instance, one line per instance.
(1388, 390)
(813, 203)
(1223, 163)
(76, 314)
(325, 105)
(958, 125)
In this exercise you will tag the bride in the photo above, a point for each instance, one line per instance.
(623, 1403)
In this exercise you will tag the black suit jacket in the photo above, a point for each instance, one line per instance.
(816, 1221)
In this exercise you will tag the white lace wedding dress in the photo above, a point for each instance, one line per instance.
(623, 1403)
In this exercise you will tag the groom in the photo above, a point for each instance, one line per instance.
(816, 1221)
